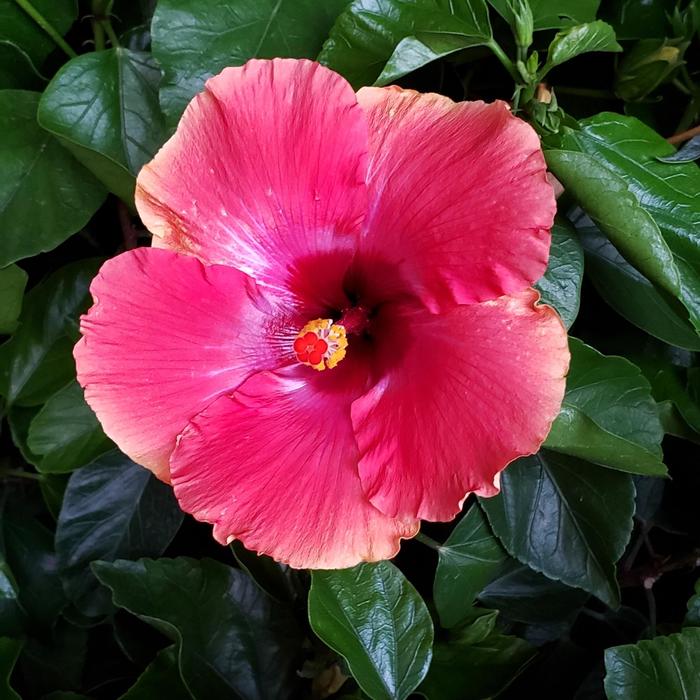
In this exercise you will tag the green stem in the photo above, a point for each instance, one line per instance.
(99, 33)
(27, 6)
(109, 29)
(505, 61)
(19, 473)
(428, 541)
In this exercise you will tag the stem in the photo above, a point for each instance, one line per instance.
(684, 135)
(428, 541)
(651, 604)
(27, 6)
(19, 473)
(109, 29)
(99, 33)
(505, 61)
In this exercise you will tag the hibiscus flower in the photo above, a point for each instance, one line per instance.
(333, 335)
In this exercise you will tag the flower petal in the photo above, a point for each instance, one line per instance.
(165, 337)
(265, 171)
(275, 466)
(459, 200)
(474, 389)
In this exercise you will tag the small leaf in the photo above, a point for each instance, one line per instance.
(66, 433)
(478, 663)
(608, 415)
(470, 557)
(233, 641)
(549, 499)
(376, 620)
(9, 652)
(191, 45)
(631, 294)
(692, 617)
(112, 509)
(38, 359)
(41, 183)
(160, 679)
(13, 279)
(689, 152)
(103, 106)
(378, 41)
(560, 286)
(583, 38)
(664, 667)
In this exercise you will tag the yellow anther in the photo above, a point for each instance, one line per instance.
(321, 344)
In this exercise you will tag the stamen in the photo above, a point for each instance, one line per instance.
(321, 344)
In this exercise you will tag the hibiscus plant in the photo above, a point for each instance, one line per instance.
(349, 349)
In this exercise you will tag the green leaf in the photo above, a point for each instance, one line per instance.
(28, 549)
(470, 557)
(13, 280)
(664, 667)
(549, 499)
(692, 618)
(279, 581)
(560, 286)
(38, 360)
(9, 652)
(378, 41)
(376, 620)
(21, 33)
(66, 433)
(233, 641)
(608, 415)
(112, 509)
(687, 153)
(11, 613)
(631, 294)
(647, 19)
(583, 38)
(161, 679)
(45, 194)
(477, 664)
(103, 106)
(521, 594)
(657, 208)
(552, 14)
(192, 43)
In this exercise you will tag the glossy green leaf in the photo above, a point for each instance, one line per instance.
(582, 38)
(112, 509)
(560, 286)
(38, 359)
(467, 561)
(550, 499)
(625, 152)
(9, 652)
(692, 618)
(524, 595)
(103, 106)
(160, 679)
(378, 41)
(553, 14)
(641, 20)
(608, 415)
(66, 434)
(233, 641)
(21, 33)
(45, 194)
(13, 279)
(476, 664)
(687, 153)
(376, 620)
(631, 294)
(192, 44)
(663, 667)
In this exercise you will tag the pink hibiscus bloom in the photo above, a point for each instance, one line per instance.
(388, 238)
